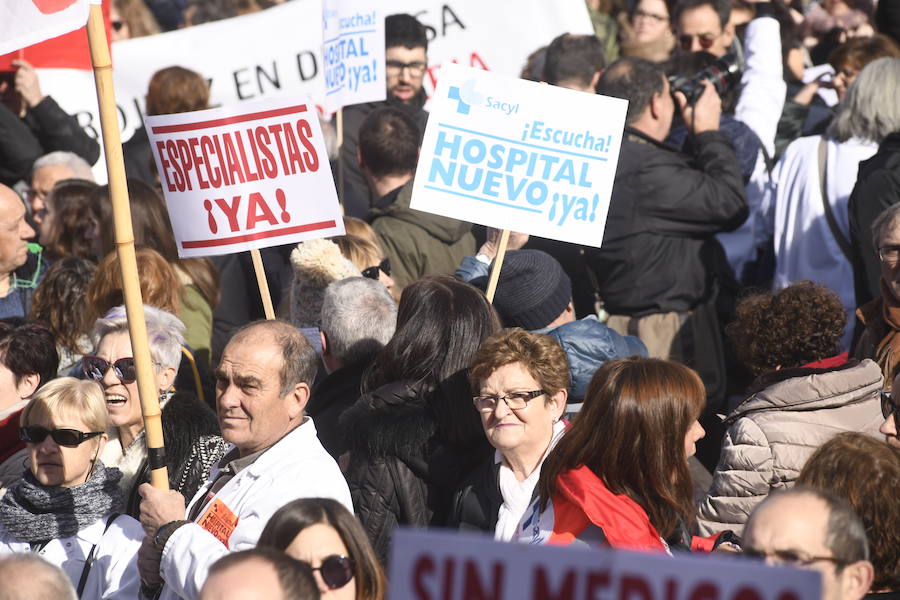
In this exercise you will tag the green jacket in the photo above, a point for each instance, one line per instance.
(419, 243)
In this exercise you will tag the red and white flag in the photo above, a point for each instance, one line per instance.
(27, 22)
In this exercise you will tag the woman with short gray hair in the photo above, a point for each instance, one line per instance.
(190, 428)
(813, 180)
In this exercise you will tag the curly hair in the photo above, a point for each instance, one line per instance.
(836, 467)
(60, 300)
(541, 356)
(800, 324)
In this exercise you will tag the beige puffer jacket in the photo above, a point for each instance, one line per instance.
(776, 429)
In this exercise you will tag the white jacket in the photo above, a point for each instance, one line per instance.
(295, 467)
(804, 245)
(114, 573)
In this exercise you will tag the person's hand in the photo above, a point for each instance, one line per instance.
(27, 83)
(159, 507)
(489, 248)
(148, 559)
(705, 113)
(808, 91)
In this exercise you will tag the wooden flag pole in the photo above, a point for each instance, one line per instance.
(340, 142)
(118, 191)
(263, 283)
(498, 264)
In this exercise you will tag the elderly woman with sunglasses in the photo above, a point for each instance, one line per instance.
(190, 429)
(520, 381)
(67, 507)
(324, 534)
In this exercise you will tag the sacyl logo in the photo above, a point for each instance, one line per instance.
(465, 96)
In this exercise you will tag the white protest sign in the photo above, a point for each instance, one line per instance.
(26, 22)
(518, 155)
(352, 53)
(455, 566)
(246, 176)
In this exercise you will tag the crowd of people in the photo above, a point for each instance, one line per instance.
(716, 376)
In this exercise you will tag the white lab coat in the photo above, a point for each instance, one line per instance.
(295, 467)
(804, 245)
(114, 573)
(759, 107)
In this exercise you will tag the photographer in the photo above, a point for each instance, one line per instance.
(656, 268)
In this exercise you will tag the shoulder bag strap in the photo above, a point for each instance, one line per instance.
(90, 558)
(839, 237)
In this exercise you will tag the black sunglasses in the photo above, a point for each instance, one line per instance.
(888, 407)
(336, 571)
(95, 368)
(372, 272)
(35, 434)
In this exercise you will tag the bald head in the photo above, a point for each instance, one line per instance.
(26, 576)
(259, 573)
(300, 362)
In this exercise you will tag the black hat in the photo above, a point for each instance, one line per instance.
(533, 290)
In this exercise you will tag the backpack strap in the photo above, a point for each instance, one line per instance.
(839, 236)
(86, 570)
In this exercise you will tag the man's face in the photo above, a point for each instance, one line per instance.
(248, 580)
(699, 29)
(405, 70)
(42, 181)
(795, 526)
(253, 414)
(14, 232)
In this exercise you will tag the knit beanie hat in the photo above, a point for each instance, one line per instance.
(533, 289)
(316, 264)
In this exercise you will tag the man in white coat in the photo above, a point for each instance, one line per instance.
(262, 387)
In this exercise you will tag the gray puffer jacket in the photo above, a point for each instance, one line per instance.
(788, 414)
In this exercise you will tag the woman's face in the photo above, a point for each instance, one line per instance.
(650, 20)
(525, 429)
(315, 544)
(695, 432)
(122, 399)
(844, 76)
(62, 466)
(889, 248)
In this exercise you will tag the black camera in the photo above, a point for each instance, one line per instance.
(724, 73)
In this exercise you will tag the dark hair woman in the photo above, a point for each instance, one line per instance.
(413, 434)
(805, 393)
(321, 532)
(619, 477)
(67, 228)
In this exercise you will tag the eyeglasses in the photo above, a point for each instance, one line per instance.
(706, 40)
(372, 272)
(888, 407)
(71, 438)
(336, 571)
(415, 68)
(640, 14)
(117, 25)
(514, 400)
(95, 368)
(889, 254)
(790, 558)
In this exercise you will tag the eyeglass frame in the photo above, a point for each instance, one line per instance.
(786, 560)
(887, 402)
(416, 67)
(109, 364)
(706, 42)
(890, 247)
(82, 436)
(531, 395)
(638, 13)
(346, 561)
(372, 272)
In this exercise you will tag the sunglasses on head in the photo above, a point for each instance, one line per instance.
(888, 407)
(35, 434)
(372, 272)
(95, 368)
(336, 571)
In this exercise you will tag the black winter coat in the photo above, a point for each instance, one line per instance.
(877, 187)
(402, 469)
(476, 504)
(659, 252)
(331, 398)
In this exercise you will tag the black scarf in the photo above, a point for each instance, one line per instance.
(32, 512)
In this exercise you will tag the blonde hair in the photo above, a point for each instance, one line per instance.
(68, 397)
(360, 251)
(359, 228)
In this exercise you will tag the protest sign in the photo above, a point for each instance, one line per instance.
(245, 177)
(27, 22)
(352, 53)
(518, 155)
(450, 566)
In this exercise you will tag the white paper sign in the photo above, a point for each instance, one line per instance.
(27, 22)
(455, 566)
(519, 155)
(352, 53)
(247, 176)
